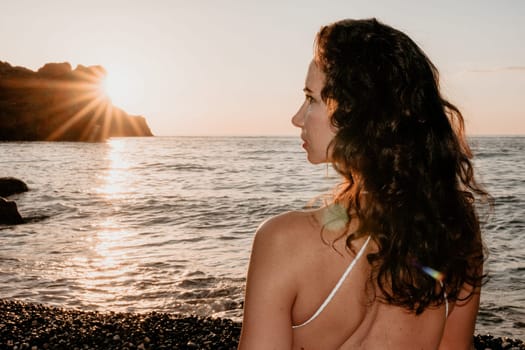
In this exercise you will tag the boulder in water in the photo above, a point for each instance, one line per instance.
(10, 185)
(9, 214)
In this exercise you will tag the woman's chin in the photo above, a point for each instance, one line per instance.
(315, 160)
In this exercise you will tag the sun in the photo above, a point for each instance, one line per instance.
(118, 88)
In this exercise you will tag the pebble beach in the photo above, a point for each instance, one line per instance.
(35, 326)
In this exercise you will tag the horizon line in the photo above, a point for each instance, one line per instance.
(298, 136)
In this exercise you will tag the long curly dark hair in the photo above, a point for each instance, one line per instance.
(401, 149)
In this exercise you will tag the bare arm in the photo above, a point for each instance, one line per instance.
(269, 292)
(459, 329)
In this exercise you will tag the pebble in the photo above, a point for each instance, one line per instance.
(192, 345)
(47, 327)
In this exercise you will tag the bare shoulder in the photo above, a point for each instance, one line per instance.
(271, 286)
(289, 220)
(284, 230)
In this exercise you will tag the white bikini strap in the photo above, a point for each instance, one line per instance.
(337, 286)
(446, 300)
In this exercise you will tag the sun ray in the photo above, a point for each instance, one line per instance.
(55, 135)
(86, 96)
(38, 83)
(107, 121)
(90, 90)
(114, 122)
(92, 132)
(95, 75)
(134, 125)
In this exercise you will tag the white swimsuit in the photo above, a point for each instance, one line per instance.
(340, 283)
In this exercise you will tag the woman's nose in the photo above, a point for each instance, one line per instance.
(298, 118)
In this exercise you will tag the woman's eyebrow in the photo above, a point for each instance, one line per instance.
(307, 89)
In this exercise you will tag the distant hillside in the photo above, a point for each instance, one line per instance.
(57, 103)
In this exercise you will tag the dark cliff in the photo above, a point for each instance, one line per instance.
(58, 103)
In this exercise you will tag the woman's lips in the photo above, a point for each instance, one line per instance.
(305, 143)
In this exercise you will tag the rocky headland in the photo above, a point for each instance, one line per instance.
(58, 103)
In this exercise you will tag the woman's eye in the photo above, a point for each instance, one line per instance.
(309, 98)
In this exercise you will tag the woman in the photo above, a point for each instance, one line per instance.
(395, 261)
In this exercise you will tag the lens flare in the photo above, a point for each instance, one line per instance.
(435, 274)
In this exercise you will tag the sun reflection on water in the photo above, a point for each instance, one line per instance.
(118, 177)
(107, 244)
(106, 265)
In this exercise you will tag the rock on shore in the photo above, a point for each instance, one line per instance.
(34, 327)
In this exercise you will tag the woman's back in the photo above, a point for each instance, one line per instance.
(351, 319)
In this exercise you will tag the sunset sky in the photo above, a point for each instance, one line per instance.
(230, 67)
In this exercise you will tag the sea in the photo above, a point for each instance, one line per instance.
(167, 223)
